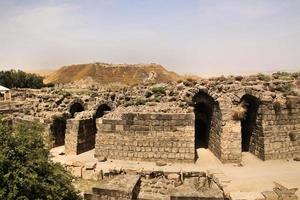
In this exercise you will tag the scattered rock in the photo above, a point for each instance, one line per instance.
(161, 163)
(102, 159)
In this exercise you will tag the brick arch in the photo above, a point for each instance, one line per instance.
(77, 105)
(101, 107)
(247, 91)
(195, 91)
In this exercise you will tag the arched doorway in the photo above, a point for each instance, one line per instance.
(249, 122)
(76, 107)
(101, 110)
(203, 109)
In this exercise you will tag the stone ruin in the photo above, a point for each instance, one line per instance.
(168, 122)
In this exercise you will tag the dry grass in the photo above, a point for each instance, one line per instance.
(278, 103)
(239, 112)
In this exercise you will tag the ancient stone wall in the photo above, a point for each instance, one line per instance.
(281, 129)
(147, 137)
(80, 135)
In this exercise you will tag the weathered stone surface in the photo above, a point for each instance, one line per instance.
(246, 196)
(120, 187)
(161, 163)
(90, 165)
(175, 177)
(270, 195)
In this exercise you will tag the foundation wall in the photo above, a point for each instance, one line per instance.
(281, 130)
(80, 136)
(147, 137)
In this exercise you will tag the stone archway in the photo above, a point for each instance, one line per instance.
(249, 126)
(207, 123)
(101, 110)
(75, 107)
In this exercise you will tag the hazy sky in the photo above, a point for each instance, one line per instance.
(186, 36)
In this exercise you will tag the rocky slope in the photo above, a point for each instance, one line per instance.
(129, 74)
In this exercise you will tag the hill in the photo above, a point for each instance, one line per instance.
(103, 73)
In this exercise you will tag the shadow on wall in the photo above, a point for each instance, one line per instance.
(59, 131)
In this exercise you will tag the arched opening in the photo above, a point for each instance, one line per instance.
(248, 122)
(203, 109)
(58, 131)
(101, 110)
(76, 107)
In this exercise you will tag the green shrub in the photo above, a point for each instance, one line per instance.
(263, 77)
(25, 169)
(148, 94)
(158, 90)
(140, 101)
(20, 79)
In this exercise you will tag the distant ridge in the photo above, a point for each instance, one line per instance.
(103, 73)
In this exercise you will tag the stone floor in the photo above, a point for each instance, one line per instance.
(254, 175)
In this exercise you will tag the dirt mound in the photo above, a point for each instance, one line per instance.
(129, 74)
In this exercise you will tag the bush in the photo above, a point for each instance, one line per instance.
(158, 90)
(140, 101)
(25, 170)
(263, 77)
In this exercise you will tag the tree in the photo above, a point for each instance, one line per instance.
(20, 79)
(25, 169)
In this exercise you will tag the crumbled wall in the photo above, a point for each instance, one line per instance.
(275, 135)
(147, 137)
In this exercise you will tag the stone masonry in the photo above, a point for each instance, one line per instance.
(80, 136)
(146, 130)
(148, 137)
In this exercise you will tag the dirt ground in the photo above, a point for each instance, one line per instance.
(254, 175)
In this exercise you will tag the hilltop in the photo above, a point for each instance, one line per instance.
(103, 73)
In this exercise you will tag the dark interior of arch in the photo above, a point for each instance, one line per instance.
(248, 123)
(203, 109)
(101, 110)
(59, 131)
(76, 107)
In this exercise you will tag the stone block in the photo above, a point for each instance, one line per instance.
(119, 127)
(175, 177)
